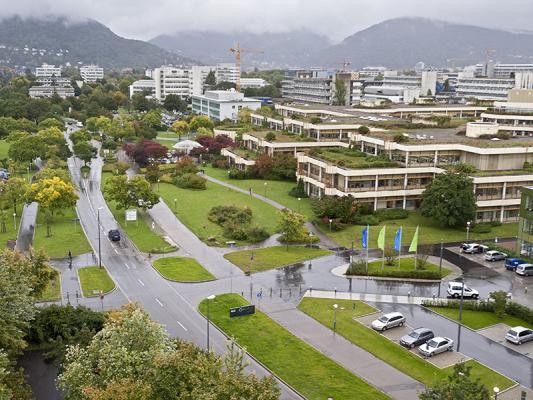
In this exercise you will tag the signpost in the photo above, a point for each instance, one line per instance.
(240, 311)
(131, 215)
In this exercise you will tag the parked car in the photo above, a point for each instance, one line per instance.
(524, 269)
(114, 235)
(473, 248)
(388, 321)
(416, 337)
(519, 335)
(511, 263)
(494, 255)
(435, 346)
(454, 290)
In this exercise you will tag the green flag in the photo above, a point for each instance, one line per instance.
(381, 238)
(414, 242)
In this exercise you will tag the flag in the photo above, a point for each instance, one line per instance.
(398, 239)
(364, 238)
(414, 242)
(381, 238)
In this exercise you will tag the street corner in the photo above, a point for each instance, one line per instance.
(497, 334)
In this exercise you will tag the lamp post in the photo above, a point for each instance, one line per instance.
(15, 221)
(460, 312)
(175, 206)
(29, 173)
(468, 230)
(99, 240)
(335, 306)
(265, 189)
(440, 262)
(209, 298)
(330, 221)
(496, 390)
(299, 200)
(159, 180)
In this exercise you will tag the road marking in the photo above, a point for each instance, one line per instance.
(116, 251)
(127, 266)
(159, 302)
(180, 324)
(141, 282)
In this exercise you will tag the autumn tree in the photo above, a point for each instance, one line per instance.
(291, 224)
(14, 191)
(143, 150)
(130, 193)
(180, 127)
(201, 121)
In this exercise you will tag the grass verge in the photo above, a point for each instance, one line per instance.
(66, 234)
(94, 280)
(182, 269)
(386, 350)
(479, 319)
(403, 268)
(300, 365)
(273, 257)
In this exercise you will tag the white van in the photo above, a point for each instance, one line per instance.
(524, 269)
(454, 290)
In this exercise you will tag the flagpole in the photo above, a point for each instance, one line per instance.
(367, 242)
(384, 236)
(400, 248)
(416, 248)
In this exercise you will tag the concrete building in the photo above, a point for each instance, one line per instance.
(226, 72)
(483, 88)
(401, 88)
(50, 86)
(255, 83)
(372, 72)
(525, 223)
(143, 86)
(91, 73)
(496, 70)
(184, 82)
(222, 104)
(47, 70)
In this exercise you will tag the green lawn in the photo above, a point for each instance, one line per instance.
(93, 280)
(193, 207)
(52, 291)
(479, 319)
(384, 349)
(140, 232)
(429, 232)
(405, 264)
(66, 235)
(273, 257)
(167, 143)
(4, 147)
(182, 269)
(300, 365)
(11, 232)
(169, 134)
(275, 190)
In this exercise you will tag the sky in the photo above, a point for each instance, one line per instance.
(145, 19)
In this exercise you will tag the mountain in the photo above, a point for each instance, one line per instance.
(56, 40)
(402, 42)
(280, 50)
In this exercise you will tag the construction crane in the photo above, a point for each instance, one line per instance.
(344, 64)
(237, 50)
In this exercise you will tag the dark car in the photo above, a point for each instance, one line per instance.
(416, 337)
(114, 235)
(512, 263)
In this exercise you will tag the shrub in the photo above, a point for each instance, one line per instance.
(270, 137)
(230, 214)
(299, 190)
(221, 163)
(400, 138)
(190, 181)
(482, 228)
(366, 220)
(359, 268)
(500, 299)
(235, 231)
(356, 268)
(386, 214)
(315, 120)
(185, 165)
(257, 234)
(238, 174)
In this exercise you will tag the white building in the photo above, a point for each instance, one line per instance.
(372, 72)
(492, 70)
(255, 83)
(226, 72)
(143, 86)
(222, 104)
(47, 70)
(483, 88)
(91, 73)
(180, 81)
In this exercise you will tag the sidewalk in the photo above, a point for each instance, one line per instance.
(27, 227)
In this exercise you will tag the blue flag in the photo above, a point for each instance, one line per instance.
(398, 239)
(364, 238)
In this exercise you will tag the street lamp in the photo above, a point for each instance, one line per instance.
(335, 306)
(29, 173)
(209, 298)
(460, 312)
(265, 189)
(99, 240)
(468, 230)
(299, 200)
(15, 221)
(330, 221)
(159, 180)
(496, 390)
(175, 207)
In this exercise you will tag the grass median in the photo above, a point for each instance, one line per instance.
(273, 257)
(182, 269)
(479, 319)
(402, 268)
(95, 280)
(386, 350)
(300, 365)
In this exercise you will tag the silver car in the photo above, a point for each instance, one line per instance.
(519, 335)
(435, 346)
(494, 255)
(387, 321)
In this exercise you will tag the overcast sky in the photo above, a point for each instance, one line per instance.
(144, 19)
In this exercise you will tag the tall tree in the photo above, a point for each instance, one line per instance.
(340, 93)
(84, 151)
(180, 127)
(211, 79)
(173, 102)
(14, 191)
(449, 199)
(201, 121)
(127, 193)
(291, 224)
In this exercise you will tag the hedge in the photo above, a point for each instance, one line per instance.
(360, 269)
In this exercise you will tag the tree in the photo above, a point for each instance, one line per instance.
(173, 102)
(211, 79)
(81, 135)
(458, 386)
(51, 122)
(340, 93)
(291, 224)
(153, 119)
(84, 151)
(130, 193)
(363, 130)
(201, 121)
(449, 199)
(52, 171)
(244, 115)
(14, 191)
(500, 302)
(27, 148)
(143, 150)
(180, 127)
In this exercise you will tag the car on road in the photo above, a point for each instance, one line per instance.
(473, 248)
(114, 235)
(388, 321)
(494, 255)
(524, 269)
(416, 337)
(519, 335)
(455, 288)
(435, 346)
(511, 263)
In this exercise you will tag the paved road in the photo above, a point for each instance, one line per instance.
(27, 226)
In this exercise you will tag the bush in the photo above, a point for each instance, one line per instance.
(482, 228)
(316, 120)
(270, 137)
(235, 231)
(299, 190)
(257, 234)
(221, 163)
(386, 214)
(238, 174)
(400, 138)
(366, 220)
(190, 181)
(230, 214)
(185, 165)
(359, 268)
(500, 300)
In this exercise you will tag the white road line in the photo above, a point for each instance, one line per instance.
(180, 324)
(141, 282)
(159, 302)
(116, 251)
(127, 266)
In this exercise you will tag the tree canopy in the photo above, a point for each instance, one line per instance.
(130, 193)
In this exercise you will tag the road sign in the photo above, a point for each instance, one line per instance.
(131, 215)
(240, 311)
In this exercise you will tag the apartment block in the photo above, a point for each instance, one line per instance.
(91, 73)
(143, 86)
(184, 82)
(47, 70)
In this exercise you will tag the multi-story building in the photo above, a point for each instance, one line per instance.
(226, 72)
(401, 88)
(497, 70)
(184, 82)
(91, 73)
(47, 70)
(254, 83)
(50, 86)
(372, 72)
(525, 223)
(222, 104)
(146, 86)
(483, 88)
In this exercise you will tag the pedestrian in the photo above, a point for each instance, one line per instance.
(70, 256)
(250, 191)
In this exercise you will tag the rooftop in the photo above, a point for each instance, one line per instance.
(350, 158)
(281, 137)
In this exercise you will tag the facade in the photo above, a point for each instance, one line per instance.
(47, 70)
(525, 223)
(226, 72)
(143, 86)
(254, 83)
(492, 70)
(222, 104)
(184, 82)
(484, 88)
(91, 73)
(51, 90)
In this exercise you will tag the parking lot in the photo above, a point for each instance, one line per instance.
(497, 333)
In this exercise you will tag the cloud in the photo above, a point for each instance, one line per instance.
(337, 19)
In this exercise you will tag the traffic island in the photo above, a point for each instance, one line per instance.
(95, 281)
(182, 269)
(402, 268)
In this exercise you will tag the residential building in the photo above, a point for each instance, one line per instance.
(181, 81)
(47, 70)
(143, 86)
(372, 72)
(91, 73)
(401, 88)
(50, 86)
(255, 83)
(222, 104)
(226, 72)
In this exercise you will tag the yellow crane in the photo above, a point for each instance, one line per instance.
(238, 50)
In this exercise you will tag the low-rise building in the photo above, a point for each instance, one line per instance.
(91, 73)
(146, 86)
(254, 83)
(222, 104)
(47, 70)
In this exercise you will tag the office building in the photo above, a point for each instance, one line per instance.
(254, 83)
(181, 81)
(50, 86)
(146, 86)
(496, 70)
(47, 70)
(222, 104)
(226, 72)
(91, 73)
